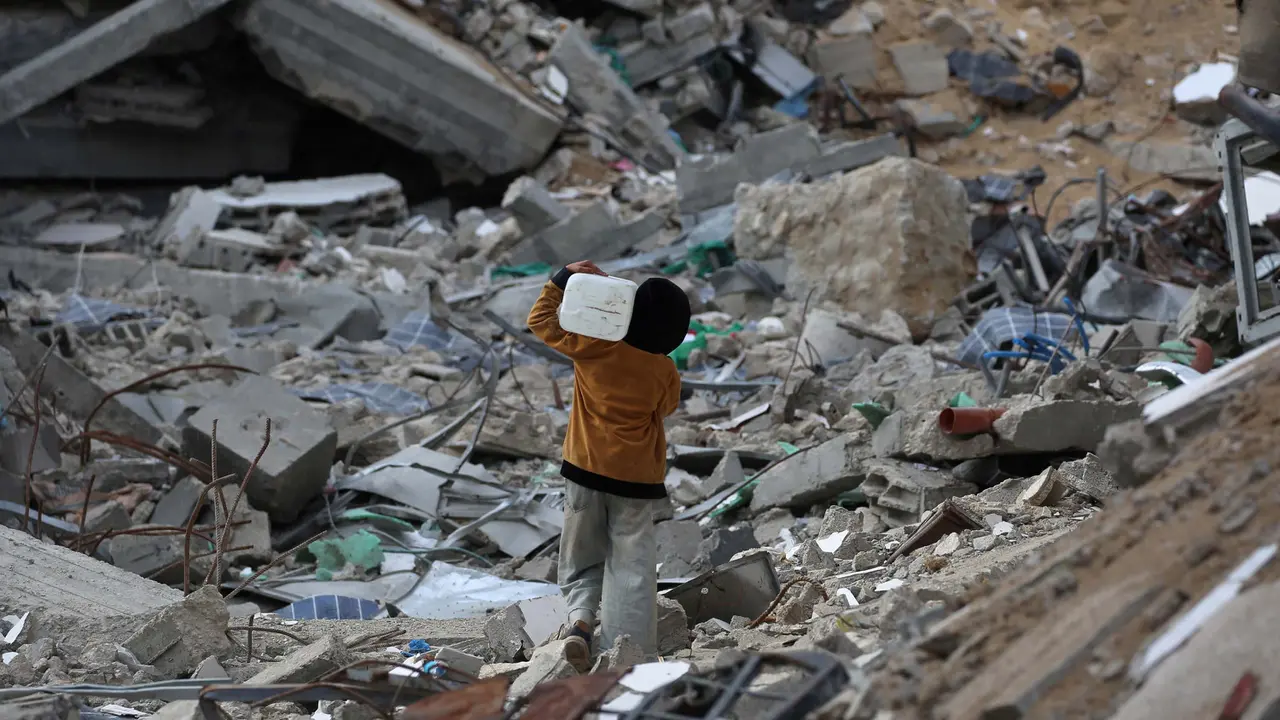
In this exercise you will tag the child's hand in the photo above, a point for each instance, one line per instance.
(585, 266)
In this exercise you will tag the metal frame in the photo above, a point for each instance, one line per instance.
(1238, 147)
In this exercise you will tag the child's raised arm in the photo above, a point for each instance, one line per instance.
(545, 324)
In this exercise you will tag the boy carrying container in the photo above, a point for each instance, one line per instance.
(615, 462)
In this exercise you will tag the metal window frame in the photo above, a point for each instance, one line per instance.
(1237, 148)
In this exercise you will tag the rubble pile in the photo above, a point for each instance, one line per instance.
(965, 431)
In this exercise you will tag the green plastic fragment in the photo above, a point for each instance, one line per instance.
(699, 340)
(962, 400)
(705, 258)
(874, 412)
(852, 498)
(519, 271)
(362, 551)
(744, 494)
(378, 520)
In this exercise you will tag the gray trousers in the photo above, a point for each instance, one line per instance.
(608, 565)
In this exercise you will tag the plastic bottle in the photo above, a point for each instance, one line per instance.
(597, 306)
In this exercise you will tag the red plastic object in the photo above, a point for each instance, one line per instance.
(1203, 361)
(968, 420)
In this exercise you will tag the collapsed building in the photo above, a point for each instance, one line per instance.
(276, 441)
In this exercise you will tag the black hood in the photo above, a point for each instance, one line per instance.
(660, 319)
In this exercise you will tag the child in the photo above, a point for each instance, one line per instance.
(615, 462)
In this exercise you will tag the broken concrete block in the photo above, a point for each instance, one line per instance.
(727, 473)
(854, 56)
(904, 487)
(532, 205)
(1178, 161)
(539, 569)
(769, 525)
(673, 626)
(892, 235)
(622, 656)
(549, 663)
(1061, 424)
(938, 117)
(1043, 491)
(75, 394)
(630, 235)
(678, 542)
(853, 154)
(465, 662)
(827, 633)
(109, 515)
(354, 56)
(687, 37)
(252, 532)
(328, 311)
(909, 434)
(947, 546)
(192, 213)
(510, 671)
(180, 636)
(812, 475)
(175, 506)
(1195, 97)
(797, 609)
(922, 65)
(114, 473)
(574, 237)
(155, 556)
(949, 30)
(813, 558)
(594, 87)
(295, 466)
(503, 632)
(307, 664)
(838, 519)
(710, 182)
(1088, 477)
(210, 669)
(723, 543)
(852, 22)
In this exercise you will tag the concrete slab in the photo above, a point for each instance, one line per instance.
(532, 205)
(710, 183)
(108, 42)
(60, 586)
(811, 475)
(594, 87)
(73, 392)
(854, 154)
(379, 64)
(568, 240)
(922, 65)
(216, 293)
(854, 56)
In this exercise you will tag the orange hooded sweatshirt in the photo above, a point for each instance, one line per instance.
(616, 442)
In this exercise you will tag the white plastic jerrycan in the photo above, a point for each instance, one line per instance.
(597, 306)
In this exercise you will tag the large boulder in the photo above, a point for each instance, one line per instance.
(893, 235)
